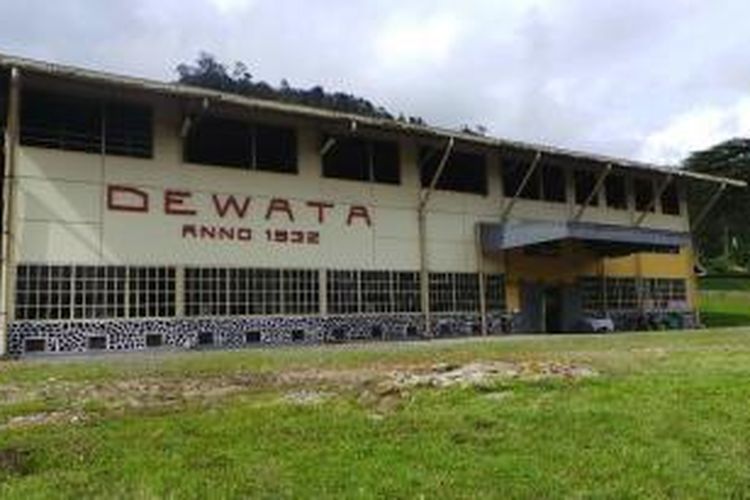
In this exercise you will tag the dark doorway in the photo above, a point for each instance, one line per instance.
(553, 308)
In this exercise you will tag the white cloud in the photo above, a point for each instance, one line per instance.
(407, 41)
(231, 6)
(697, 129)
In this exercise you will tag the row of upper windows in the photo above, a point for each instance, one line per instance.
(118, 128)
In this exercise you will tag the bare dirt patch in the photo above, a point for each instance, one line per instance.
(384, 388)
(472, 374)
(45, 418)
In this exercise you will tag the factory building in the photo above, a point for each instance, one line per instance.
(139, 214)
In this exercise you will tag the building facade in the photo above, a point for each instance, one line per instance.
(139, 214)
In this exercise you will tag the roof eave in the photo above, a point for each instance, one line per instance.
(176, 89)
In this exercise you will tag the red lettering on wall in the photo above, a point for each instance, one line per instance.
(189, 230)
(279, 205)
(321, 206)
(222, 207)
(174, 203)
(358, 212)
(244, 234)
(127, 199)
(208, 232)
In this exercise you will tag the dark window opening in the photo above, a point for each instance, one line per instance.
(61, 122)
(234, 143)
(670, 200)
(553, 183)
(218, 141)
(348, 158)
(97, 343)
(376, 291)
(463, 172)
(343, 292)
(73, 123)
(644, 194)
(377, 332)
(514, 170)
(35, 345)
(386, 164)
(615, 191)
(358, 159)
(4, 95)
(205, 338)
(127, 130)
(584, 182)
(154, 340)
(275, 149)
(252, 337)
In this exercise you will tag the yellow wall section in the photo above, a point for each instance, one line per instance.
(575, 261)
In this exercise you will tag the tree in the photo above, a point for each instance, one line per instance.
(725, 236)
(207, 72)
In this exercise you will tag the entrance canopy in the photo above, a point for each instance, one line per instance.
(603, 238)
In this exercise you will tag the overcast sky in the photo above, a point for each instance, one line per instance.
(645, 79)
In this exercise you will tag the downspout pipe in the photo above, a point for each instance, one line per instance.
(9, 195)
(424, 198)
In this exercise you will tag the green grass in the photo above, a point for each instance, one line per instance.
(725, 308)
(725, 283)
(666, 417)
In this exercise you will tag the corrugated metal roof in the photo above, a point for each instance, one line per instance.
(178, 90)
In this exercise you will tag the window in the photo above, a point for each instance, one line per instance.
(584, 182)
(592, 293)
(89, 125)
(217, 141)
(442, 297)
(663, 293)
(205, 292)
(343, 292)
(463, 172)
(301, 291)
(553, 183)
(43, 292)
(467, 292)
(152, 292)
(547, 182)
(670, 200)
(406, 292)
(376, 291)
(275, 149)
(362, 160)
(234, 143)
(495, 292)
(644, 193)
(622, 293)
(93, 292)
(4, 90)
(386, 164)
(99, 292)
(514, 169)
(61, 122)
(127, 130)
(351, 292)
(615, 192)
(454, 292)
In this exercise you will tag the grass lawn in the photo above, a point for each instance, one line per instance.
(660, 414)
(725, 308)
